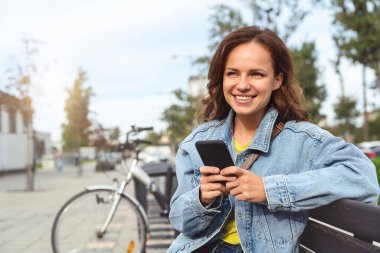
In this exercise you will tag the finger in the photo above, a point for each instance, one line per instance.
(207, 170)
(245, 196)
(212, 190)
(213, 186)
(232, 170)
(208, 197)
(216, 178)
(233, 188)
(231, 185)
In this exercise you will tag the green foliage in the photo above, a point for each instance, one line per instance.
(224, 20)
(155, 138)
(345, 111)
(358, 30)
(180, 117)
(307, 72)
(374, 125)
(114, 134)
(75, 132)
(266, 13)
(357, 37)
(21, 78)
(376, 161)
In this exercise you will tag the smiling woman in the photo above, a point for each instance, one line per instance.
(284, 165)
(248, 83)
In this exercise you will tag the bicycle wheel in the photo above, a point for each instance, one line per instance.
(78, 221)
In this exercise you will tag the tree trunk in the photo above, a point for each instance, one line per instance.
(78, 159)
(30, 160)
(365, 113)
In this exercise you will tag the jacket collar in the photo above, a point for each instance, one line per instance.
(261, 141)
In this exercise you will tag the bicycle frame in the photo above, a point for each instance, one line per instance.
(134, 171)
(115, 205)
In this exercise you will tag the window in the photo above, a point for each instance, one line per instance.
(12, 120)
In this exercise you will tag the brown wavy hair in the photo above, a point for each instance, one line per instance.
(288, 99)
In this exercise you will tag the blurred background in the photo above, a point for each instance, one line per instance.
(75, 75)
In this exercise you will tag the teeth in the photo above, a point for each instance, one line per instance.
(243, 97)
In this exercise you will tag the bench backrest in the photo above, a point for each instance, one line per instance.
(357, 226)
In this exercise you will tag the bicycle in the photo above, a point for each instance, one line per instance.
(105, 218)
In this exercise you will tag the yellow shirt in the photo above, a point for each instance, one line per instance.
(230, 230)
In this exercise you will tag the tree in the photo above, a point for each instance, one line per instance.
(21, 79)
(357, 37)
(114, 134)
(155, 138)
(268, 13)
(224, 20)
(180, 117)
(374, 125)
(345, 112)
(307, 72)
(75, 131)
(345, 107)
(291, 13)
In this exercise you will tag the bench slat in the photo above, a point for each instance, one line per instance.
(363, 220)
(321, 239)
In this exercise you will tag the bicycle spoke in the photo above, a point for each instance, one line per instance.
(77, 226)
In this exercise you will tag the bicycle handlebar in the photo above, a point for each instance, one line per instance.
(140, 129)
(133, 144)
(139, 141)
(136, 130)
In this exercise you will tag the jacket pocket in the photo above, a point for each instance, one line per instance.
(282, 227)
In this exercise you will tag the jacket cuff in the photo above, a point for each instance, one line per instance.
(277, 192)
(213, 207)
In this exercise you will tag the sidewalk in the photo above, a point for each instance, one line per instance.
(26, 217)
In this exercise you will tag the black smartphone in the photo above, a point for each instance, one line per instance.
(214, 153)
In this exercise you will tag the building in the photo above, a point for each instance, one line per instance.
(16, 143)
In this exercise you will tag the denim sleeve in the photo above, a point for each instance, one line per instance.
(187, 214)
(338, 170)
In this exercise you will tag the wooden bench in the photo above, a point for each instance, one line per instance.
(343, 226)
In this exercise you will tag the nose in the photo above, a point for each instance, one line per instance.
(243, 83)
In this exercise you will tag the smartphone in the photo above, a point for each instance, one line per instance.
(214, 153)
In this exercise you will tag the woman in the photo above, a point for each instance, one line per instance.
(263, 208)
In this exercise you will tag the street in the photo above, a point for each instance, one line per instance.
(26, 218)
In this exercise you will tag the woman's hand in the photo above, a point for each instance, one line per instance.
(247, 186)
(212, 184)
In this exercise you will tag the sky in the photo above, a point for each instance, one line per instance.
(135, 53)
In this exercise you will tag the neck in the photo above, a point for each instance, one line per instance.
(244, 129)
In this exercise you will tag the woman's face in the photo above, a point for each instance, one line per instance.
(249, 80)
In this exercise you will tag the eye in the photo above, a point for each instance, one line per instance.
(257, 74)
(231, 73)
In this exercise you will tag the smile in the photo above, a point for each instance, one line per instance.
(244, 98)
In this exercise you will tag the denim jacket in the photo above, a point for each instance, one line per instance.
(303, 168)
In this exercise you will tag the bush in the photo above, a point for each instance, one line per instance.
(376, 161)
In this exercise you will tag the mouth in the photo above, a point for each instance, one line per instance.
(244, 98)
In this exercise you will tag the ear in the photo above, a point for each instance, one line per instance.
(278, 81)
